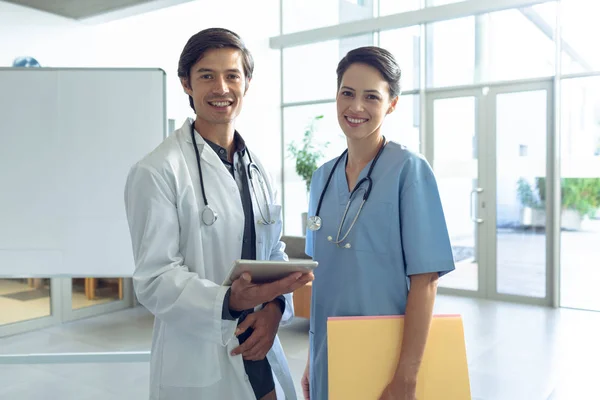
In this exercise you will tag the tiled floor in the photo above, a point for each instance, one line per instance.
(515, 352)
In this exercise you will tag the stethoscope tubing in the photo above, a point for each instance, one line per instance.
(251, 166)
(358, 184)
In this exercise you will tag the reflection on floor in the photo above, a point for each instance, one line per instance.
(521, 259)
(515, 352)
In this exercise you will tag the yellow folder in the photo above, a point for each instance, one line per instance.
(363, 354)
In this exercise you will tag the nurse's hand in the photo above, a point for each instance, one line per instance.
(265, 324)
(305, 382)
(400, 389)
(246, 295)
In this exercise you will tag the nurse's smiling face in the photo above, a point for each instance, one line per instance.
(363, 100)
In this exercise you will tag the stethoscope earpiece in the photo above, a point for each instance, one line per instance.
(346, 246)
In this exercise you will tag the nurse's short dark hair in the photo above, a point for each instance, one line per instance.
(208, 39)
(376, 57)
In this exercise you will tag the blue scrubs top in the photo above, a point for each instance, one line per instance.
(401, 231)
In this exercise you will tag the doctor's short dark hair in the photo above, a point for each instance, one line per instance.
(208, 39)
(376, 57)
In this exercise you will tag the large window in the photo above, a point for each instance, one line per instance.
(388, 7)
(580, 185)
(310, 14)
(309, 70)
(403, 125)
(432, 3)
(452, 52)
(500, 46)
(405, 45)
(518, 44)
(329, 139)
(580, 32)
(302, 15)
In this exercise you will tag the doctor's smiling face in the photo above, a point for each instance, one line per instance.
(215, 69)
(217, 85)
(368, 89)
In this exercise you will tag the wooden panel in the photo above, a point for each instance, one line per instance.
(302, 301)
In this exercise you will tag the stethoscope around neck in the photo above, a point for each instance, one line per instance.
(315, 222)
(209, 216)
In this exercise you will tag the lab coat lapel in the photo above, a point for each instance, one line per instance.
(206, 154)
(260, 229)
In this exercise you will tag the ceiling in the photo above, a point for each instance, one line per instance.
(85, 9)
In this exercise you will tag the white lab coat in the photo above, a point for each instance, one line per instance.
(180, 264)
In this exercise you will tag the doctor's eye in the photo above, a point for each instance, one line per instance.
(233, 77)
(346, 93)
(372, 97)
(206, 76)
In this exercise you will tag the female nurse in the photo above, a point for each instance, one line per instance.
(376, 226)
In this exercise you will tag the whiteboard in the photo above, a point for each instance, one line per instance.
(68, 138)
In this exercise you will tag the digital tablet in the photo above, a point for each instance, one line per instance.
(268, 271)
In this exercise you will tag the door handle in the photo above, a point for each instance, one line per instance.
(473, 217)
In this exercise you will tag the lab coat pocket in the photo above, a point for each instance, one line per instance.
(371, 232)
(188, 361)
(268, 235)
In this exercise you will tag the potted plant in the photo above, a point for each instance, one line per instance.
(307, 156)
(533, 211)
(580, 198)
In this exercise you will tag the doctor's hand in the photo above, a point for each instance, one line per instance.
(265, 324)
(246, 295)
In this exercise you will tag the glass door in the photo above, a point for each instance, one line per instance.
(489, 148)
(519, 123)
(454, 144)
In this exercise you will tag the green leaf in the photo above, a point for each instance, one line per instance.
(308, 154)
(579, 194)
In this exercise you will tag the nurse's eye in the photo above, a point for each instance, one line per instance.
(233, 77)
(206, 76)
(347, 93)
(372, 97)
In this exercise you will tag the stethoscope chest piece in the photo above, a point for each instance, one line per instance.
(209, 216)
(314, 223)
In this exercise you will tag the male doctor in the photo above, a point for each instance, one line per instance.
(192, 212)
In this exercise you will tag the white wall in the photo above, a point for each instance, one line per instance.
(155, 39)
(24, 31)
